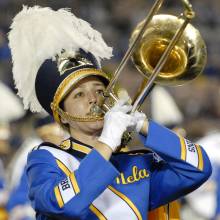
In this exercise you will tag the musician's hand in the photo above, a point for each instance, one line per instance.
(141, 122)
(116, 121)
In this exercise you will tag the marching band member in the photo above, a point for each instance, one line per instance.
(56, 66)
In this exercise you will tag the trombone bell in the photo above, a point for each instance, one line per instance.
(186, 60)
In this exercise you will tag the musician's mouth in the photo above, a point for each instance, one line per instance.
(96, 110)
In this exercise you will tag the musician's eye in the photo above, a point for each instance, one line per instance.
(78, 95)
(100, 92)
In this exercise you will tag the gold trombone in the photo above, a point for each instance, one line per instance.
(166, 49)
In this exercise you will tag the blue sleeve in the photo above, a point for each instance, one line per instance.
(184, 166)
(19, 195)
(69, 194)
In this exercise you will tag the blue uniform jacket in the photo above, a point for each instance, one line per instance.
(81, 184)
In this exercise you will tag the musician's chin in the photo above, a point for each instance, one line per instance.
(92, 127)
(97, 125)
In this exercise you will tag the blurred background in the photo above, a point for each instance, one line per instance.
(198, 101)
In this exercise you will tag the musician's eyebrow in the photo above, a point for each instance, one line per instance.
(95, 84)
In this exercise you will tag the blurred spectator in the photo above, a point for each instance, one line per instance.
(11, 109)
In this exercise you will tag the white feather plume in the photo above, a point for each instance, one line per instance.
(38, 34)
(11, 107)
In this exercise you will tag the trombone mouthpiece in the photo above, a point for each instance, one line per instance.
(96, 111)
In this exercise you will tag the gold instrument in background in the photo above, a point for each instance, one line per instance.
(165, 49)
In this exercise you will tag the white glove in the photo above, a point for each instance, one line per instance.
(139, 118)
(116, 121)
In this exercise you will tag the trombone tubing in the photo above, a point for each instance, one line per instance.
(160, 64)
(189, 13)
(130, 50)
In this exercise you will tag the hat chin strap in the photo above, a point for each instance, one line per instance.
(65, 115)
(69, 117)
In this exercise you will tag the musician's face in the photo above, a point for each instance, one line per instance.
(86, 93)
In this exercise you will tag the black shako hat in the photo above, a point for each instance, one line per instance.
(51, 58)
(53, 84)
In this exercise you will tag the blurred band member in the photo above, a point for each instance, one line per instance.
(209, 193)
(11, 109)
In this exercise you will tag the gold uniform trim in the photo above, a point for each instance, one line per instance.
(72, 179)
(74, 183)
(63, 168)
(100, 216)
(67, 85)
(70, 174)
(85, 150)
(183, 148)
(97, 213)
(128, 201)
(58, 197)
(200, 157)
(81, 148)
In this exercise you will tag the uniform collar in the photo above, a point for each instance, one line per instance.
(76, 147)
(79, 146)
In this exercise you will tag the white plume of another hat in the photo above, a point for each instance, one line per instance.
(164, 108)
(38, 34)
(11, 107)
